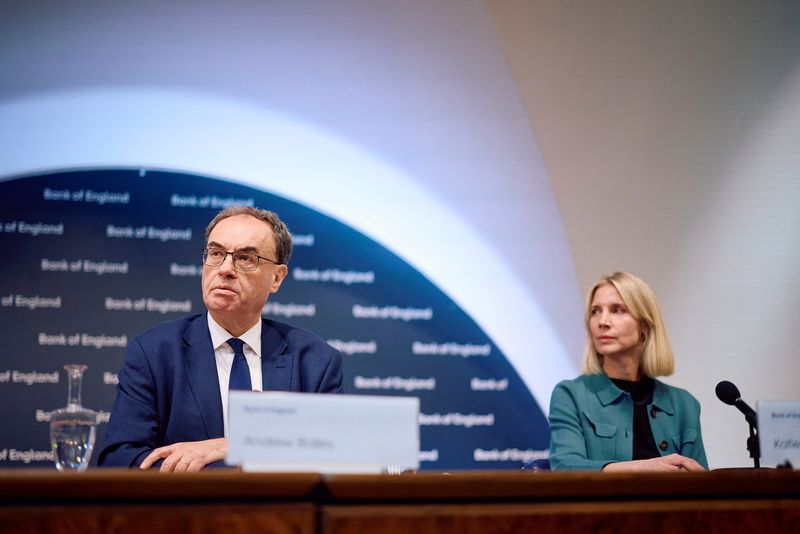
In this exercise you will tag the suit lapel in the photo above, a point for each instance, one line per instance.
(201, 369)
(276, 362)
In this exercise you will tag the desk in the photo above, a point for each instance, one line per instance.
(726, 501)
(459, 503)
(132, 501)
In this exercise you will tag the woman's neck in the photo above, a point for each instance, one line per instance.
(623, 367)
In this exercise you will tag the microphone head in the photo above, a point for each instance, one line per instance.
(727, 392)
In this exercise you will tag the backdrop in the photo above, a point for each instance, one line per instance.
(667, 132)
(429, 246)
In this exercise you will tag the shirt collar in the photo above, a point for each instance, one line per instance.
(220, 336)
(608, 392)
(662, 399)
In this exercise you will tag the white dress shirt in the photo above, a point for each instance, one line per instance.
(224, 357)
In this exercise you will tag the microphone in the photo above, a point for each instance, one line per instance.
(729, 394)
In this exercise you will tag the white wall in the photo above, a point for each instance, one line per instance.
(670, 133)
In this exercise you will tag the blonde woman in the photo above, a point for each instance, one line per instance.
(617, 416)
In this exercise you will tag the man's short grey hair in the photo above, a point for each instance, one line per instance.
(283, 239)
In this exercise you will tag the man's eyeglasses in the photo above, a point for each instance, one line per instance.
(242, 261)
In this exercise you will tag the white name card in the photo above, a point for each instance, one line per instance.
(779, 431)
(303, 432)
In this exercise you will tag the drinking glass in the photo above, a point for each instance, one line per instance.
(73, 428)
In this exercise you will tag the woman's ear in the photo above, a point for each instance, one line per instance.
(645, 332)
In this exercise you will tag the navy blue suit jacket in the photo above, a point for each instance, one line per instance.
(168, 388)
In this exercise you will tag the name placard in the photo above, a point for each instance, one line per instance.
(779, 431)
(302, 432)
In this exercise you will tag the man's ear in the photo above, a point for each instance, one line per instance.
(277, 280)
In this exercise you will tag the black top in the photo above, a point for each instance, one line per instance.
(644, 445)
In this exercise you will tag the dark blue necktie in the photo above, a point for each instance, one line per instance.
(240, 373)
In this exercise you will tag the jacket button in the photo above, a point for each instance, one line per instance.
(653, 412)
(663, 445)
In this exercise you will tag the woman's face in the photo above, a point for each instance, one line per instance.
(615, 332)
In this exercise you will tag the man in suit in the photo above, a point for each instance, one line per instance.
(171, 406)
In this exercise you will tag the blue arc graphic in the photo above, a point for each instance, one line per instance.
(400, 333)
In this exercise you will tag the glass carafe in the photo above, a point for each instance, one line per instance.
(72, 429)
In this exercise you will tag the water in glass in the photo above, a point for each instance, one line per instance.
(72, 443)
(72, 429)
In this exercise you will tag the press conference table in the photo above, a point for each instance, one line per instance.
(229, 501)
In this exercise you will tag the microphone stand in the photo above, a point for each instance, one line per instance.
(752, 443)
(729, 394)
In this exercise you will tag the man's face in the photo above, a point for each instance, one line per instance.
(234, 296)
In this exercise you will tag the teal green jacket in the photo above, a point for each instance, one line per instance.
(591, 423)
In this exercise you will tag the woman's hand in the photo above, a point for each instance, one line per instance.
(672, 462)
